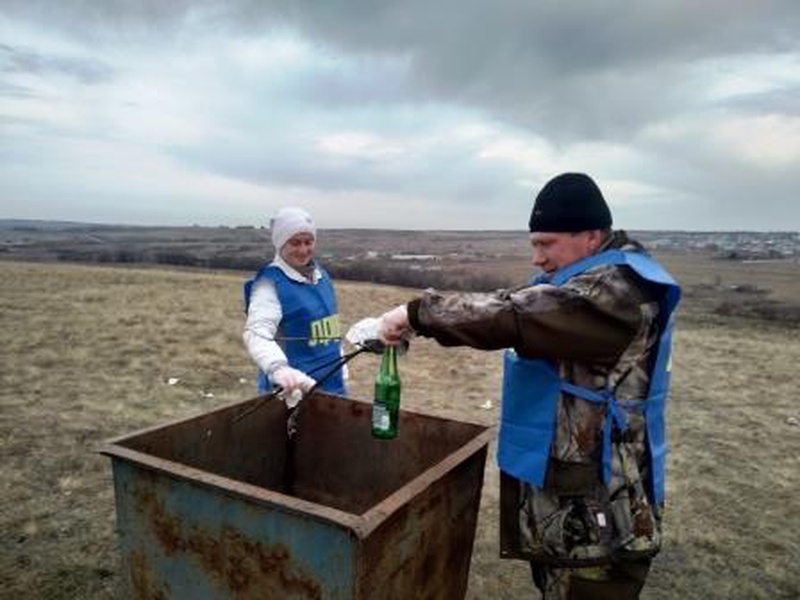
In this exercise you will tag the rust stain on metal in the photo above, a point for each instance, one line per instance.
(247, 568)
(423, 549)
(144, 587)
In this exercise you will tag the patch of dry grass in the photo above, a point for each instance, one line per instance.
(87, 352)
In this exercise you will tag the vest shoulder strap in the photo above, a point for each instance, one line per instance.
(270, 272)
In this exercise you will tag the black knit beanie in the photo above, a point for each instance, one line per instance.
(570, 202)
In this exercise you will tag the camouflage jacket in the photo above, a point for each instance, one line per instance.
(600, 327)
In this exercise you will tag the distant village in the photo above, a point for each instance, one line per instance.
(732, 245)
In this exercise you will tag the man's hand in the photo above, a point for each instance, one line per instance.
(394, 326)
(293, 383)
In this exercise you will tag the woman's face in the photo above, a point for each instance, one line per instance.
(299, 250)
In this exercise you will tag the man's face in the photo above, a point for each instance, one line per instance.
(554, 251)
(299, 250)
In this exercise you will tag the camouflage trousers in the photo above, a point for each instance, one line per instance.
(620, 581)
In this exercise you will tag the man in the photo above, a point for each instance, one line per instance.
(581, 445)
(292, 329)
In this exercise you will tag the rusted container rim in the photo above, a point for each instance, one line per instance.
(361, 525)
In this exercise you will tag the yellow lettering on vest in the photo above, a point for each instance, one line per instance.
(325, 330)
(315, 333)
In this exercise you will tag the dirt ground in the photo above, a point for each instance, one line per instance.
(87, 353)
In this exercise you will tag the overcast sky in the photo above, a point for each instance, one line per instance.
(434, 114)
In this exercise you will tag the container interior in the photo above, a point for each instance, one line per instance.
(332, 460)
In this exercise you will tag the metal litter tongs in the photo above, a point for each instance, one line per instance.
(364, 336)
(369, 344)
(373, 345)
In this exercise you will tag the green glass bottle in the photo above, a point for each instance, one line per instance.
(386, 403)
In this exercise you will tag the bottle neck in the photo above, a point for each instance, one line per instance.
(389, 361)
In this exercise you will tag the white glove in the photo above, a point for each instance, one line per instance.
(394, 326)
(363, 331)
(293, 382)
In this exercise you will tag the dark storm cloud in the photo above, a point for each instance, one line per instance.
(673, 90)
(598, 69)
(569, 70)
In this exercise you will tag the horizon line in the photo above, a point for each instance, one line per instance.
(8, 222)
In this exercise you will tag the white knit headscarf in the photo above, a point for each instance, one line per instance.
(289, 221)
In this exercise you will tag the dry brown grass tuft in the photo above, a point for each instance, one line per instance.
(87, 352)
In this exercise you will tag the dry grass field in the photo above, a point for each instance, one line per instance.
(86, 354)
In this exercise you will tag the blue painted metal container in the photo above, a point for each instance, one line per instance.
(223, 506)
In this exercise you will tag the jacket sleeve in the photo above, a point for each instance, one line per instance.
(263, 318)
(591, 318)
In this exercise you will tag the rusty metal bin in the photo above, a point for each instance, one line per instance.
(203, 508)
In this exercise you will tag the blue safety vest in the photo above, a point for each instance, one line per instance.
(532, 388)
(310, 327)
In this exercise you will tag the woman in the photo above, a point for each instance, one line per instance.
(292, 330)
